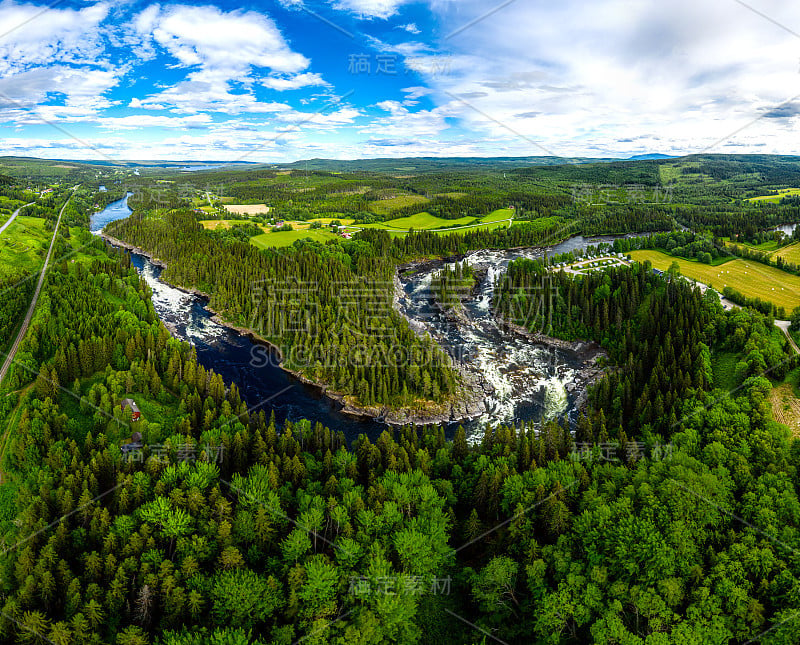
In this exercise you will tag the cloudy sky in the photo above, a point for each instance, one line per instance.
(282, 80)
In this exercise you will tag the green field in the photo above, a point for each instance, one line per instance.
(395, 228)
(344, 221)
(421, 221)
(23, 245)
(750, 278)
(391, 204)
(790, 253)
(426, 221)
(783, 192)
(287, 238)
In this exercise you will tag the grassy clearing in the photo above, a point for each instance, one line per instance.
(498, 215)
(426, 221)
(391, 204)
(786, 408)
(790, 253)
(287, 238)
(344, 221)
(724, 368)
(423, 221)
(765, 247)
(23, 245)
(783, 192)
(214, 224)
(673, 171)
(248, 209)
(750, 278)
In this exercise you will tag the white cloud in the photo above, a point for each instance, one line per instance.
(33, 36)
(323, 119)
(221, 48)
(403, 124)
(198, 95)
(410, 28)
(80, 91)
(225, 45)
(292, 82)
(370, 8)
(137, 121)
(575, 75)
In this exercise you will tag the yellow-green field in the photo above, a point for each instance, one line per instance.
(426, 221)
(669, 172)
(750, 278)
(287, 238)
(790, 253)
(783, 192)
(395, 227)
(214, 224)
(391, 204)
(23, 245)
(344, 221)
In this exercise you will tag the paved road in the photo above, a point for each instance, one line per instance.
(11, 219)
(784, 325)
(13, 351)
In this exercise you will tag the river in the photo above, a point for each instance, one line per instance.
(528, 380)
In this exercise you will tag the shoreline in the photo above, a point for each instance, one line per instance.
(465, 408)
(442, 413)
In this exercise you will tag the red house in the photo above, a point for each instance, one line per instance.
(135, 413)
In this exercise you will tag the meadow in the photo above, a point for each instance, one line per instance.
(783, 192)
(391, 204)
(287, 238)
(248, 209)
(750, 278)
(23, 244)
(790, 253)
(426, 221)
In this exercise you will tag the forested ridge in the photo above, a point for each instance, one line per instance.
(660, 333)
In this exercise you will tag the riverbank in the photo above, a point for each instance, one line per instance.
(455, 410)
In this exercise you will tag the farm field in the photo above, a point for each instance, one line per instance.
(287, 238)
(248, 209)
(395, 228)
(391, 204)
(786, 407)
(790, 253)
(23, 244)
(784, 192)
(420, 221)
(344, 221)
(750, 278)
(426, 221)
(215, 224)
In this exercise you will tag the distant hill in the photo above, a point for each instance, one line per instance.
(428, 164)
(651, 157)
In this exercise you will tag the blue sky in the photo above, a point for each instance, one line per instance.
(292, 79)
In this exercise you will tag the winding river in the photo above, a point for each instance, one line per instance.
(526, 380)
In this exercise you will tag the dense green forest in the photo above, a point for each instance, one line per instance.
(666, 512)
(660, 333)
(227, 529)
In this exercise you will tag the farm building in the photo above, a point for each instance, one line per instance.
(135, 412)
